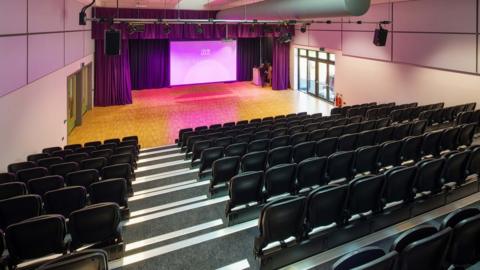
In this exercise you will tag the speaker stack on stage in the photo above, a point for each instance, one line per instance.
(113, 42)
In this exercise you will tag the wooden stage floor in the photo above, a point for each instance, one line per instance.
(157, 115)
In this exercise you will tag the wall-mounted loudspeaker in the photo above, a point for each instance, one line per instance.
(112, 42)
(380, 37)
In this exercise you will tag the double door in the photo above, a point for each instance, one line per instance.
(317, 77)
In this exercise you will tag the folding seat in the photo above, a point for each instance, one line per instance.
(426, 116)
(258, 145)
(399, 182)
(437, 116)
(93, 143)
(475, 118)
(86, 149)
(367, 258)
(290, 115)
(232, 133)
(317, 134)
(418, 127)
(366, 159)
(97, 224)
(298, 138)
(63, 169)
(384, 134)
(474, 162)
(106, 153)
(180, 135)
(389, 154)
(201, 128)
(449, 139)
(295, 130)
(429, 173)
(7, 178)
(326, 205)
(123, 159)
(184, 138)
(280, 155)
(243, 138)
(336, 110)
(311, 172)
(463, 118)
(245, 188)
(213, 136)
(254, 161)
(123, 171)
(36, 157)
(351, 128)
(192, 140)
(280, 179)
(260, 135)
(447, 114)
(278, 132)
(198, 148)
(82, 178)
(327, 124)
(61, 153)
(105, 146)
(28, 174)
(242, 122)
(336, 131)
(366, 138)
(311, 127)
(42, 185)
(275, 118)
(316, 115)
(279, 220)
(19, 208)
(303, 151)
(339, 166)
(111, 190)
(427, 250)
(50, 150)
(72, 147)
(382, 112)
(65, 200)
(12, 189)
(93, 163)
(465, 136)
(236, 149)
(302, 114)
(129, 149)
(95, 259)
(365, 195)
(326, 147)
(463, 249)
(401, 131)
(77, 157)
(215, 126)
(470, 106)
(14, 167)
(208, 156)
(347, 142)
(294, 123)
(431, 143)
(47, 232)
(269, 118)
(455, 168)
(228, 124)
(411, 149)
(341, 122)
(223, 169)
(407, 114)
(367, 125)
(279, 141)
(371, 114)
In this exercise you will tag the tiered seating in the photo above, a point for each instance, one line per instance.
(447, 115)
(451, 246)
(335, 214)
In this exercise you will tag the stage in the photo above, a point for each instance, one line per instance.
(156, 115)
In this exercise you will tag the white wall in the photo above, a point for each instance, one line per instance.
(431, 54)
(41, 44)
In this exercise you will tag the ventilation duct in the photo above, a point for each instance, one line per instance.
(296, 9)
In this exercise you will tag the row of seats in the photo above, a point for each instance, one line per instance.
(412, 108)
(46, 235)
(300, 216)
(376, 111)
(445, 115)
(453, 245)
(344, 110)
(255, 186)
(297, 134)
(468, 117)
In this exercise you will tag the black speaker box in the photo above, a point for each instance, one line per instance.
(380, 37)
(112, 42)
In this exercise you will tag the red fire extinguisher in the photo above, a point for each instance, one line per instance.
(338, 100)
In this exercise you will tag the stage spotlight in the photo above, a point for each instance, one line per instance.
(167, 29)
(303, 29)
(285, 38)
(199, 29)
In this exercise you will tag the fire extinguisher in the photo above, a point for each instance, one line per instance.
(338, 100)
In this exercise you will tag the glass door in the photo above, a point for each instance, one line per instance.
(312, 77)
(322, 80)
(302, 74)
(71, 102)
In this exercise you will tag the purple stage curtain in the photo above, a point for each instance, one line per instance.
(150, 63)
(248, 56)
(281, 66)
(112, 76)
(267, 49)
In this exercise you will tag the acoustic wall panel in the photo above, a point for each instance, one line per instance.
(45, 54)
(72, 8)
(325, 39)
(89, 43)
(45, 16)
(361, 44)
(376, 13)
(73, 46)
(13, 63)
(447, 51)
(13, 17)
(436, 16)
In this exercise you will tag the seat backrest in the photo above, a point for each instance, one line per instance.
(65, 200)
(47, 232)
(311, 172)
(258, 145)
(50, 150)
(19, 208)
(27, 174)
(92, 143)
(474, 162)
(47, 162)
(236, 149)
(326, 205)
(82, 178)
(401, 131)
(35, 157)
(399, 184)
(77, 157)
(279, 220)
(429, 251)
(449, 139)
(457, 216)
(208, 156)
(117, 171)
(42, 185)
(245, 188)
(347, 142)
(326, 147)
(303, 151)
(254, 161)
(366, 138)
(429, 174)
(455, 169)
(336, 131)
(366, 159)
(463, 248)
(121, 159)
(465, 136)
(198, 147)
(431, 143)
(12, 189)
(384, 134)
(367, 125)
(280, 179)
(91, 259)
(279, 141)
(112, 190)
(365, 194)
(224, 141)
(7, 178)
(351, 128)
(98, 223)
(359, 258)
(298, 138)
(223, 169)
(411, 236)
(63, 169)
(411, 148)
(13, 168)
(280, 155)
(418, 127)
(277, 132)
(389, 153)
(340, 165)
(382, 122)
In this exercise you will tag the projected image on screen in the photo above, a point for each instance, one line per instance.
(193, 62)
